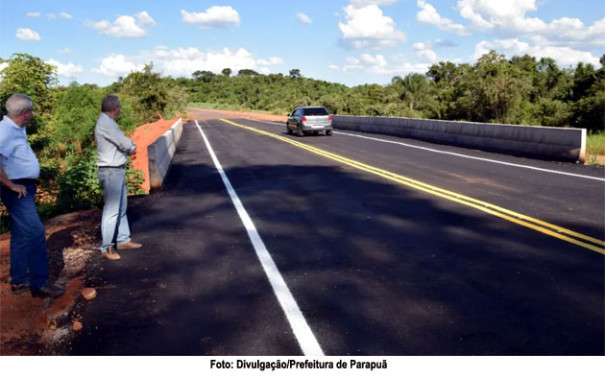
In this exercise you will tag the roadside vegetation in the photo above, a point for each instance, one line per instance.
(523, 90)
(62, 130)
(595, 147)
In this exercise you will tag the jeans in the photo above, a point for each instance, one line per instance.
(28, 238)
(114, 223)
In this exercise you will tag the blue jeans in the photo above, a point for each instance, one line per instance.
(114, 223)
(28, 239)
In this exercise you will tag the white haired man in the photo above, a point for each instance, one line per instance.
(19, 171)
(113, 148)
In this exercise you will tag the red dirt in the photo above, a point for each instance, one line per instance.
(28, 325)
(31, 326)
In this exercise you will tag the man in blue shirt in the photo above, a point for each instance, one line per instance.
(19, 170)
(113, 148)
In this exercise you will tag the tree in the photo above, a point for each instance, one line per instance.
(444, 73)
(226, 72)
(495, 90)
(552, 79)
(30, 76)
(295, 73)
(450, 86)
(584, 77)
(247, 72)
(152, 96)
(33, 77)
(77, 110)
(588, 91)
(204, 76)
(415, 93)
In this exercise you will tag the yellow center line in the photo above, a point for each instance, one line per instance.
(544, 227)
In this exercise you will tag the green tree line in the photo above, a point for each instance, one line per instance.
(522, 90)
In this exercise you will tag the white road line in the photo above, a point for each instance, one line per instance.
(462, 155)
(307, 341)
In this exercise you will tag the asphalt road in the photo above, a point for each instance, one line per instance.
(377, 257)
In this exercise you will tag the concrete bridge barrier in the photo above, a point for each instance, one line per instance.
(561, 144)
(160, 153)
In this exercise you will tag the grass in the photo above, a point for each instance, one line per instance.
(595, 144)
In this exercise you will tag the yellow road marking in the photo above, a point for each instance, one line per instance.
(552, 230)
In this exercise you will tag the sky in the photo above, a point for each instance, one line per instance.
(352, 42)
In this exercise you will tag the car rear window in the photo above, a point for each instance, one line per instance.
(316, 112)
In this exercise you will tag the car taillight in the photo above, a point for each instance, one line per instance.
(304, 119)
(330, 118)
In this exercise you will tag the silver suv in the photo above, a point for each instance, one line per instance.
(305, 120)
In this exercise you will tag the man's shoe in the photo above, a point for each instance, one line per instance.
(18, 288)
(111, 254)
(48, 291)
(129, 245)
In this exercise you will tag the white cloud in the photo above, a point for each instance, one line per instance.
(369, 28)
(378, 65)
(572, 29)
(28, 35)
(564, 56)
(425, 53)
(3, 65)
(304, 18)
(51, 16)
(508, 17)
(126, 26)
(273, 61)
(65, 15)
(185, 61)
(363, 3)
(215, 17)
(116, 65)
(33, 14)
(65, 69)
(429, 15)
(487, 14)
(65, 51)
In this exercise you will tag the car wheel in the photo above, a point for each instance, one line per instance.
(288, 129)
(328, 132)
(299, 131)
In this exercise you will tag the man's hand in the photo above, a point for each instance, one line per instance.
(20, 189)
(6, 182)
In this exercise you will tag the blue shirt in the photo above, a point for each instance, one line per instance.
(16, 155)
(113, 146)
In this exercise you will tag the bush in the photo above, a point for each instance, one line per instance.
(153, 96)
(79, 186)
(134, 180)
